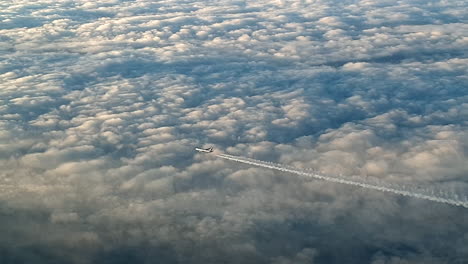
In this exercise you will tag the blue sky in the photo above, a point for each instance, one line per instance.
(102, 104)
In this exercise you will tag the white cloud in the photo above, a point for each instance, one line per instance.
(102, 103)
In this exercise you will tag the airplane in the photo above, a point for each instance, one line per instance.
(208, 150)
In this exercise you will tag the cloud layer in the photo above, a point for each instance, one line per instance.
(101, 105)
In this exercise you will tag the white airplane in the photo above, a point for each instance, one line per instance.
(208, 150)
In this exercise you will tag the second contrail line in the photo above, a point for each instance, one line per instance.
(284, 168)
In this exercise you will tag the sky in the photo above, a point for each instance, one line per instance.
(103, 102)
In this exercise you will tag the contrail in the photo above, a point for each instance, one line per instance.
(367, 185)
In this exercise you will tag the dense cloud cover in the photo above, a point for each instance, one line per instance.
(103, 102)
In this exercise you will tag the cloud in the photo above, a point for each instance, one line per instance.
(102, 103)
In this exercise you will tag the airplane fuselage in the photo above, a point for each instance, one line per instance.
(208, 150)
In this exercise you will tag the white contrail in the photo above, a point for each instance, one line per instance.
(379, 187)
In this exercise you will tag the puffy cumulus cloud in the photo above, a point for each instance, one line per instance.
(102, 103)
